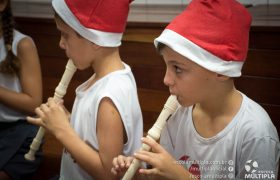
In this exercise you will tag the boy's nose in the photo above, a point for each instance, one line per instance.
(168, 80)
(61, 44)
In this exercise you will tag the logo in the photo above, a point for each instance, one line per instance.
(191, 165)
(256, 172)
(251, 166)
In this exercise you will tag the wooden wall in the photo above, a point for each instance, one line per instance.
(260, 79)
(261, 73)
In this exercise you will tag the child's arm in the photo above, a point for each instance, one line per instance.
(110, 138)
(109, 134)
(30, 80)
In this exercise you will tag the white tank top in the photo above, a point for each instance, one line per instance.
(121, 88)
(8, 114)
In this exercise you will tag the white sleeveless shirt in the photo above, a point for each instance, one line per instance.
(8, 114)
(121, 88)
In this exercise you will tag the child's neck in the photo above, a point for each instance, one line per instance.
(108, 62)
(211, 118)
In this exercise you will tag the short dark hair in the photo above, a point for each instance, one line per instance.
(160, 47)
(56, 16)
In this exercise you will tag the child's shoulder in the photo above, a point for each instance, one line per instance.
(19, 36)
(22, 42)
(119, 84)
(120, 80)
(254, 110)
(253, 120)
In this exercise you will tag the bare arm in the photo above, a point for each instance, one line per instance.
(110, 139)
(30, 79)
(109, 134)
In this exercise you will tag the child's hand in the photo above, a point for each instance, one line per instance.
(164, 166)
(61, 103)
(120, 165)
(51, 116)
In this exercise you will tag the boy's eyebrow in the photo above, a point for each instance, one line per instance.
(175, 62)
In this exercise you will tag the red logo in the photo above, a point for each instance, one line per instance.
(191, 166)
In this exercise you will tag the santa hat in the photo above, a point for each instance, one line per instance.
(100, 21)
(212, 33)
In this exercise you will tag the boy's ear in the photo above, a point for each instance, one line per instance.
(221, 77)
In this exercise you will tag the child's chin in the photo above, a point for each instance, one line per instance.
(181, 102)
(184, 103)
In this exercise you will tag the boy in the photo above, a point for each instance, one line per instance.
(217, 132)
(106, 118)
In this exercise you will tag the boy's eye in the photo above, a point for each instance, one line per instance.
(177, 69)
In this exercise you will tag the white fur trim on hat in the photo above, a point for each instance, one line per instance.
(105, 39)
(198, 55)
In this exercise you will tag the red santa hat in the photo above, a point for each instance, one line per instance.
(100, 21)
(212, 33)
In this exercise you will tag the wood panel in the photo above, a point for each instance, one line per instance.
(140, 34)
(150, 77)
(274, 113)
(151, 102)
(260, 89)
(262, 38)
(262, 62)
(44, 33)
(140, 53)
